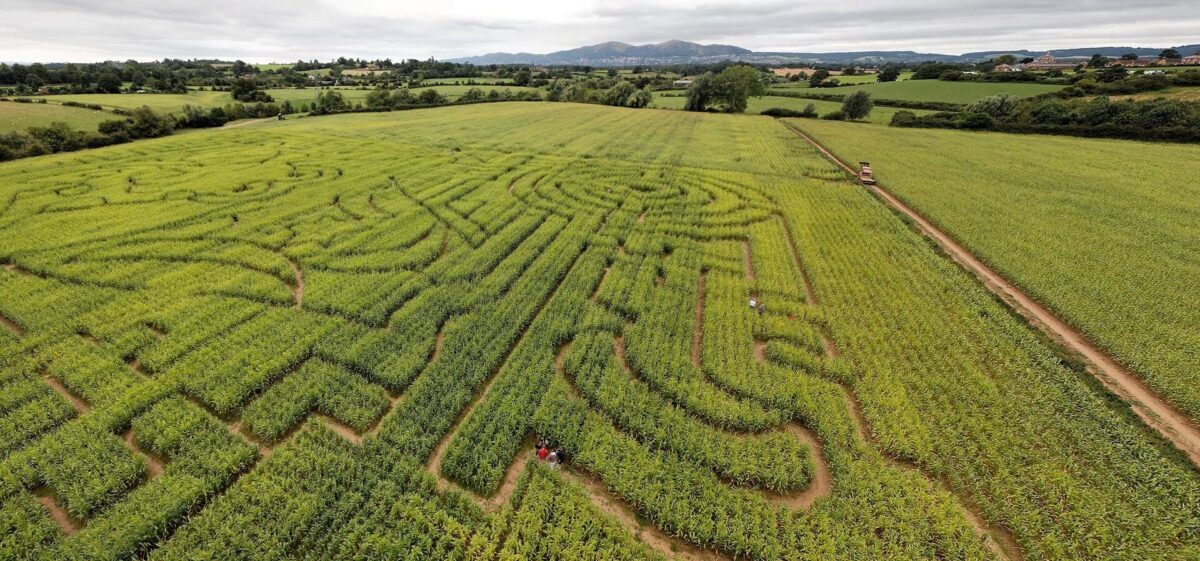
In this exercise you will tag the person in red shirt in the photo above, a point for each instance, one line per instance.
(543, 452)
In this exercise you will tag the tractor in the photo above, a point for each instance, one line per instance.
(864, 173)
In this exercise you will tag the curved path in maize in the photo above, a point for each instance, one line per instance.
(1146, 404)
(999, 540)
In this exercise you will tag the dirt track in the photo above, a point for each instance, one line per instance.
(65, 521)
(1146, 404)
(12, 326)
(245, 122)
(747, 261)
(698, 333)
(80, 405)
(298, 286)
(649, 534)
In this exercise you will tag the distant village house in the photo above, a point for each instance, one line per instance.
(806, 72)
(1048, 62)
(1142, 62)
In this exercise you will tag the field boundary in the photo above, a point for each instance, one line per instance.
(1152, 409)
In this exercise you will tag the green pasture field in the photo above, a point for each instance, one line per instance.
(173, 103)
(759, 104)
(338, 338)
(272, 66)
(455, 92)
(943, 91)
(20, 116)
(463, 81)
(1104, 232)
(856, 79)
(168, 103)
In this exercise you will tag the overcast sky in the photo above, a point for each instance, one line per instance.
(286, 30)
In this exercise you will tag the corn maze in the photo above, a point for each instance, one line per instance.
(336, 338)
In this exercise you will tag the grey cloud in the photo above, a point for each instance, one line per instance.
(54, 30)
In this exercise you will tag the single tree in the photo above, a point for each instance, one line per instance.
(641, 98)
(1112, 74)
(931, 70)
(1006, 59)
(430, 96)
(473, 94)
(619, 94)
(379, 97)
(1129, 56)
(330, 101)
(889, 73)
(857, 105)
(699, 93)
(735, 85)
(109, 83)
(817, 77)
(1170, 54)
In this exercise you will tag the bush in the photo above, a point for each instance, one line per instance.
(247, 90)
(834, 116)
(142, 123)
(778, 112)
(1001, 105)
(903, 119)
(976, 121)
(198, 117)
(857, 106)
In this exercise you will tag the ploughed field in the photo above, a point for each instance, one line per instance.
(334, 338)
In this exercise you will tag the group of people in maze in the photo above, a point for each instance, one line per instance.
(554, 455)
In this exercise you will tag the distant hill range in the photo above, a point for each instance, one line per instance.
(683, 52)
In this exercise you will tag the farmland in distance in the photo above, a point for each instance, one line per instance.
(20, 116)
(939, 90)
(334, 337)
(173, 103)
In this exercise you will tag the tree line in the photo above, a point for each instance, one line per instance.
(1155, 119)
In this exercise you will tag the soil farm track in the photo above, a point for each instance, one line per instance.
(337, 337)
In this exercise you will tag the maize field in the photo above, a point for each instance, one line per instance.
(337, 338)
